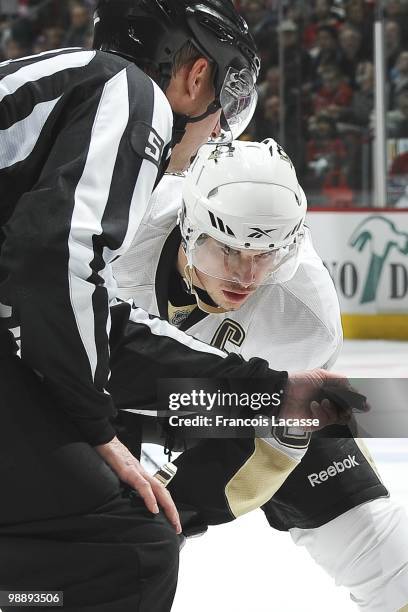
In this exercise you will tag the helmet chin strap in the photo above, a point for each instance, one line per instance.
(189, 273)
(211, 109)
(180, 121)
(179, 128)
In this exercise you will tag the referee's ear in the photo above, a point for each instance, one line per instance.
(191, 88)
(199, 79)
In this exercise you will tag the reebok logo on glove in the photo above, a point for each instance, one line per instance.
(333, 470)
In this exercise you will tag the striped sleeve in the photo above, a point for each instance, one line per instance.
(81, 214)
(217, 479)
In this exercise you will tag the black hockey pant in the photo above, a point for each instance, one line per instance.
(66, 524)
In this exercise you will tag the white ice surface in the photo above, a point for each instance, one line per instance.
(373, 358)
(247, 567)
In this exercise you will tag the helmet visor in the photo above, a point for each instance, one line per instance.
(238, 99)
(246, 267)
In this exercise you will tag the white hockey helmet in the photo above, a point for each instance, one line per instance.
(247, 198)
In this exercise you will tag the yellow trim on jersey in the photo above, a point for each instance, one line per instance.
(259, 478)
(378, 326)
(177, 314)
(404, 609)
(364, 449)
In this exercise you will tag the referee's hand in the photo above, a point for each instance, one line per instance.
(128, 470)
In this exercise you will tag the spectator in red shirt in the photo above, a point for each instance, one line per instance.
(323, 15)
(334, 95)
(400, 165)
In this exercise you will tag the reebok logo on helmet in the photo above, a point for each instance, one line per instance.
(259, 232)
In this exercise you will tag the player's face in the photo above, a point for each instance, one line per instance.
(228, 296)
(236, 274)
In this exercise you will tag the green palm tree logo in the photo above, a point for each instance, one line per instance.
(381, 235)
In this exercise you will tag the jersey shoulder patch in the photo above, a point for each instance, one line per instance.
(146, 142)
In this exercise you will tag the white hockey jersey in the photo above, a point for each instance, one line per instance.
(294, 326)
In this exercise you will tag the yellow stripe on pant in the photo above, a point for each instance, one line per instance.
(259, 478)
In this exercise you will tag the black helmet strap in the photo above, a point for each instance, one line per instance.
(212, 108)
(180, 121)
(179, 128)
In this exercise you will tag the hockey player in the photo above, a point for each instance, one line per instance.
(231, 263)
(84, 136)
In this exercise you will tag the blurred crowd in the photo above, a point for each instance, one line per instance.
(33, 26)
(317, 91)
(316, 88)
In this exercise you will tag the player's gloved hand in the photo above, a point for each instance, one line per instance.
(128, 470)
(322, 395)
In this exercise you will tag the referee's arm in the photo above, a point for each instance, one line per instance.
(81, 214)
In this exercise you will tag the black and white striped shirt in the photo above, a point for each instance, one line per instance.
(82, 138)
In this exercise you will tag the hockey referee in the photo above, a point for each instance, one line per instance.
(84, 137)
